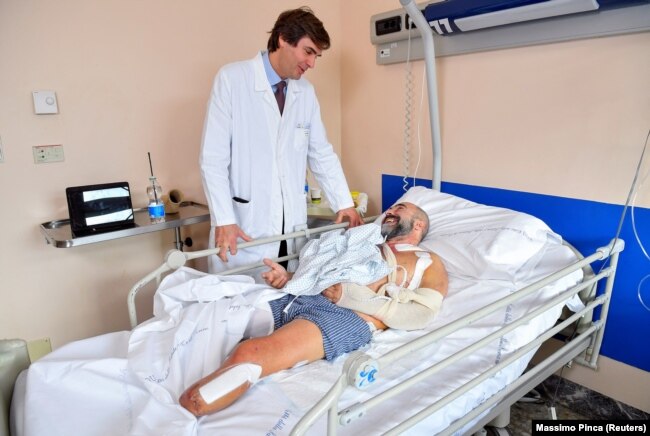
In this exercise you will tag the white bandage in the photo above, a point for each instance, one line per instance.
(402, 309)
(407, 247)
(423, 262)
(230, 380)
(397, 306)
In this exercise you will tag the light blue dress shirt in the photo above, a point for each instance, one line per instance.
(271, 75)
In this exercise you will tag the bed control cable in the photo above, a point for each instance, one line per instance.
(631, 199)
(630, 202)
(636, 233)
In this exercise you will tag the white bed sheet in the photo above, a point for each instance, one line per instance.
(99, 386)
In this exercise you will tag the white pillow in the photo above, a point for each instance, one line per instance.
(476, 240)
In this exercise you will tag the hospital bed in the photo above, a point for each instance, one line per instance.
(510, 277)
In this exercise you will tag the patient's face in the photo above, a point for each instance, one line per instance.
(398, 221)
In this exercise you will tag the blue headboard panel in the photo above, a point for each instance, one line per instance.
(587, 225)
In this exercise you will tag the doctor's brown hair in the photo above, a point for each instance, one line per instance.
(294, 24)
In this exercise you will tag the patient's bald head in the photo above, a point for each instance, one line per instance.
(405, 222)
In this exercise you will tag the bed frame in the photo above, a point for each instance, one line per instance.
(582, 348)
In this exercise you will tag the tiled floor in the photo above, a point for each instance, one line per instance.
(572, 401)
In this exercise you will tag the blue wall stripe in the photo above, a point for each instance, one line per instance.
(587, 225)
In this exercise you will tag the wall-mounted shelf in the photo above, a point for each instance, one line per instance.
(58, 232)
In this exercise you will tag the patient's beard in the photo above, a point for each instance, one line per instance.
(401, 228)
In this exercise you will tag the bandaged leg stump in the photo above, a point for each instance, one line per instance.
(220, 389)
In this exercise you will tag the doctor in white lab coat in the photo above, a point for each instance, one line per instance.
(254, 157)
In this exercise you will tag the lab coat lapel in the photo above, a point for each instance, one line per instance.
(293, 91)
(262, 85)
(271, 110)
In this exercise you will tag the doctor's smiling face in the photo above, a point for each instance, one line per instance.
(292, 61)
(298, 37)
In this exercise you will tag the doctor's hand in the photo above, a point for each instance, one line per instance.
(277, 276)
(350, 214)
(225, 238)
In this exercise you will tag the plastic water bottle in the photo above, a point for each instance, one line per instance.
(307, 192)
(156, 206)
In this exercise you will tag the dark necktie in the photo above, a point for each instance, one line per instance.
(279, 94)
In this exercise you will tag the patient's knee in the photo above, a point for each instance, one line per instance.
(247, 351)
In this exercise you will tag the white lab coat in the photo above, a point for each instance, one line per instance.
(251, 152)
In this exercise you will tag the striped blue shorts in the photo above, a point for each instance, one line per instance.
(342, 329)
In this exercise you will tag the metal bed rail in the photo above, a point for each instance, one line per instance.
(175, 259)
(477, 345)
(359, 361)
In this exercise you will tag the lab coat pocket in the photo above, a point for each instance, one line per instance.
(243, 210)
(301, 138)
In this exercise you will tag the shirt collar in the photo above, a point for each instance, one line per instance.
(271, 75)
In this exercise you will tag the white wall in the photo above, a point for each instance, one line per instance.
(131, 78)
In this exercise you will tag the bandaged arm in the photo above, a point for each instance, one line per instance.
(405, 309)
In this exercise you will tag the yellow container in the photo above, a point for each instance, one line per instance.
(355, 198)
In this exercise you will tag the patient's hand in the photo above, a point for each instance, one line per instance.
(277, 276)
(333, 293)
(378, 324)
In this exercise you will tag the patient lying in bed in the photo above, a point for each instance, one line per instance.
(339, 320)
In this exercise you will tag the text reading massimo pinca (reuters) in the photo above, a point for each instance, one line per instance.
(589, 427)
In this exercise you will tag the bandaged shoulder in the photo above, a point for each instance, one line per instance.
(396, 307)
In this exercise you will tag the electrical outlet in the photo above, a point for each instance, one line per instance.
(48, 153)
(2, 153)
